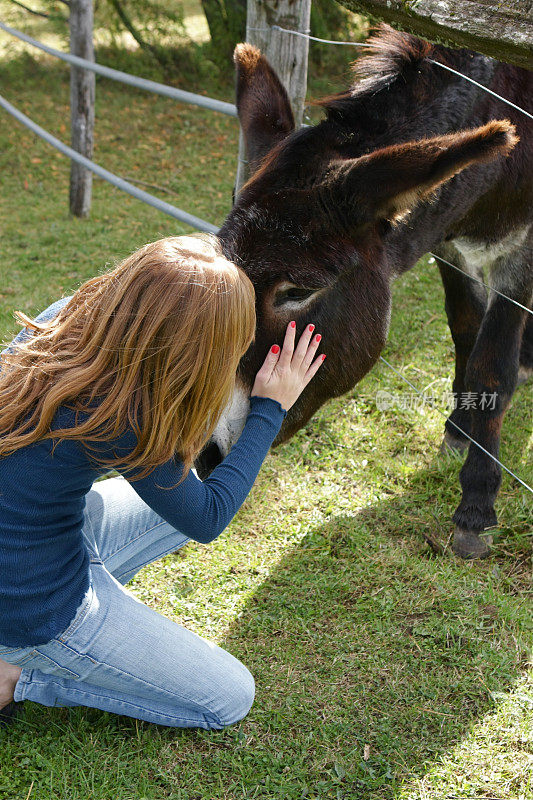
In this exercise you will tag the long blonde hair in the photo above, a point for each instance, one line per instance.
(153, 345)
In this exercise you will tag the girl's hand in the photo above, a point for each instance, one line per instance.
(284, 376)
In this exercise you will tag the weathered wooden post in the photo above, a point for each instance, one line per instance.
(503, 30)
(82, 83)
(287, 54)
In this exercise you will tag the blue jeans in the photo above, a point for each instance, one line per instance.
(121, 656)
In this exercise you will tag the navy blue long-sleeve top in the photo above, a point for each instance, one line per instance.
(44, 566)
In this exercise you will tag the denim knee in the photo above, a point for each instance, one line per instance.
(237, 699)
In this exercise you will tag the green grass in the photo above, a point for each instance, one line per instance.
(383, 671)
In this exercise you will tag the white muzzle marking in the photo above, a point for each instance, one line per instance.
(232, 421)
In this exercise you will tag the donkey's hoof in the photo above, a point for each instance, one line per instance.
(453, 444)
(467, 544)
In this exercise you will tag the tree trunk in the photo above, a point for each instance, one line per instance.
(501, 30)
(82, 84)
(157, 52)
(219, 33)
(287, 54)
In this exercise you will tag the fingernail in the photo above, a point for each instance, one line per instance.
(323, 357)
(311, 328)
(293, 324)
(318, 337)
(274, 349)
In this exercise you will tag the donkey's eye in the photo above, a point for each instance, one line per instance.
(289, 294)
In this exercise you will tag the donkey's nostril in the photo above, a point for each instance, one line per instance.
(208, 459)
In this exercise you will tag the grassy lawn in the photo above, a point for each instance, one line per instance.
(383, 671)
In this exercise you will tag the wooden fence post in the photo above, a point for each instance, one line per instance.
(503, 30)
(287, 54)
(82, 83)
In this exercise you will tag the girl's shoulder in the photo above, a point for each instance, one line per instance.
(46, 315)
(53, 310)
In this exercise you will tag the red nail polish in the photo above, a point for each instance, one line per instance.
(323, 357)
(311, 328)
(318, 337)
(293, 324)
(275, 349)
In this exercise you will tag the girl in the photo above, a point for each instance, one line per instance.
(131, 373)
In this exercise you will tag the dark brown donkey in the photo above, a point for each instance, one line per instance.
(408, 160)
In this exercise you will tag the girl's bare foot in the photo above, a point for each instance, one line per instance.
(9, 675)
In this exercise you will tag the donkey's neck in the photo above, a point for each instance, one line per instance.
(432, 102)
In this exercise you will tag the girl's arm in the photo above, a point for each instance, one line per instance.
(202, 509)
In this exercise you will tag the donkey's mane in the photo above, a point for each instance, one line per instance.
(393, 55)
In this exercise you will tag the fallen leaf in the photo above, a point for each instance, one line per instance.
(340, 772)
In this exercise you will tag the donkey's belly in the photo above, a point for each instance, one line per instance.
(506, 260)
(479, 255)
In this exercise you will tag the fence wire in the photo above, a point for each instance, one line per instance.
(446, 417)
(120, 183)
(482, 283)
(124, 77)
(306, 35)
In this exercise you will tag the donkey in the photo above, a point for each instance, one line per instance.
(410, 159)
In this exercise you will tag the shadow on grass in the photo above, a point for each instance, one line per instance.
(372, 657)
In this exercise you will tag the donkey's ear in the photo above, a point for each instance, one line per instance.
(264, 109)
(389, 183)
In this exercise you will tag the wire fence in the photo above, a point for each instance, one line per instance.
(433, 405)
(306, 35)
(125, 77)
(230, 110)
(482, 283)
(132, 80)
(120, 183)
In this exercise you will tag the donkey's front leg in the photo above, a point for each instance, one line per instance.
(525, 371)
(491, 375)
(466, 302)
